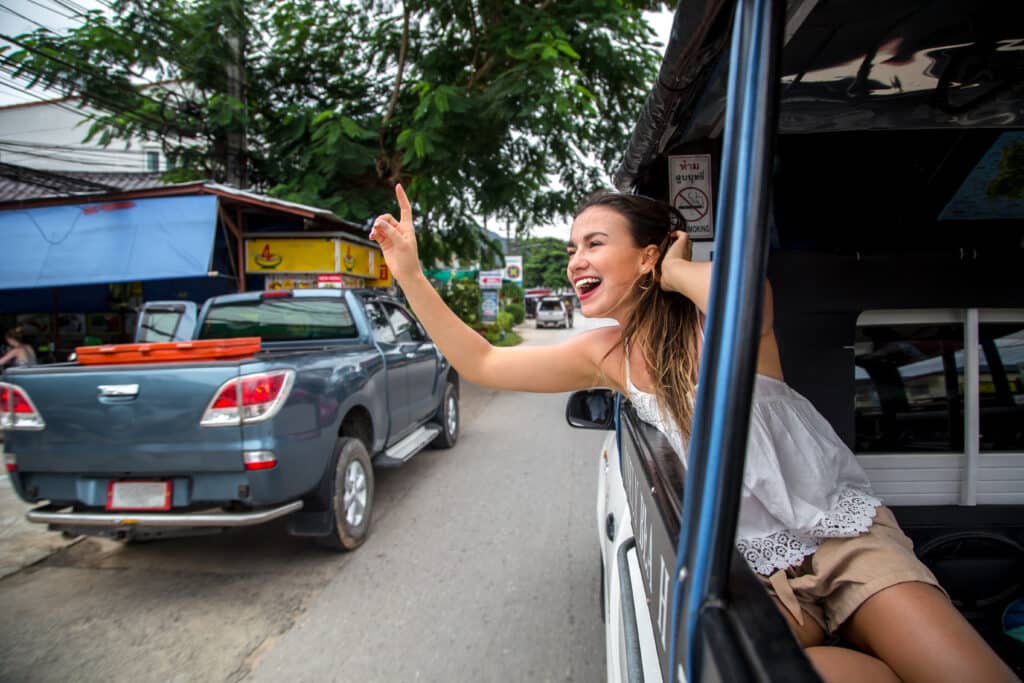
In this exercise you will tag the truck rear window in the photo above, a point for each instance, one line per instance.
(159, 325)
(280, 320)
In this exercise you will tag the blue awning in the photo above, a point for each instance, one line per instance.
(123, 241)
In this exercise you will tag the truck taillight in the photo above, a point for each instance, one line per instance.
(17, 410)
(249, 398)
(10, 462)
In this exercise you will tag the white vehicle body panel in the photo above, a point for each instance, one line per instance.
(611, 499)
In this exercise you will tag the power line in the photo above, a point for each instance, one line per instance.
(14, 85)
(73, 148)
(115, 107)
(50, 9)
(68, 160)
(28, 19)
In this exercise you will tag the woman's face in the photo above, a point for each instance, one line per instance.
(604, 262)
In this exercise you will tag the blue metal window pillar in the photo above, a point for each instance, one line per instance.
(732, 331)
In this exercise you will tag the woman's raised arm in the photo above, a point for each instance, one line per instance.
(693, 280)
(571, 365)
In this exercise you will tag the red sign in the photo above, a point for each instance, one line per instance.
(330, 281)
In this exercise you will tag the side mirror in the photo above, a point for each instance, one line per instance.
(591, 409)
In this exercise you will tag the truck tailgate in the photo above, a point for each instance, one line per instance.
(128, 419)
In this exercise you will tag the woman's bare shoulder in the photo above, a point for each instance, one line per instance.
(603, 348)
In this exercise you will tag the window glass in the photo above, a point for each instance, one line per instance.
(284, 319)
(405, 327)
(1001, 386)
(550, 305)
(158, 326)
(379, 324)
(908, 388)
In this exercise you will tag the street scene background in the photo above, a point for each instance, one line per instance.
(481, 565)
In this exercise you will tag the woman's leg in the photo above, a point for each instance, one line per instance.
(835, 664)
(843, 665)
(914, 629)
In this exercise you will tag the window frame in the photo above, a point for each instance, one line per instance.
(970, 462)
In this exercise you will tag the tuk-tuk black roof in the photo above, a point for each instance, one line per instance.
(846, 66)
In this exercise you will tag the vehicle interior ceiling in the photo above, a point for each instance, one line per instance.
(898, 184)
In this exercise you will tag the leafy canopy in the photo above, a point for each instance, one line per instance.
(498, 110)
(544, 263)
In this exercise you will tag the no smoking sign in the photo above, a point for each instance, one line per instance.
(690, 189)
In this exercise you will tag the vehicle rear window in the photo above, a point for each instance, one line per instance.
(908, 388)
(550, 305)
(159, 326)
(280, 320)
(1001, 386)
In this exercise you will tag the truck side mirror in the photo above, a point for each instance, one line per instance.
(591, 409)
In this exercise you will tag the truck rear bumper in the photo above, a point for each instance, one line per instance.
(56, 514)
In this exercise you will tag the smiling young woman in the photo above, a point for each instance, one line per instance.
(809, 523)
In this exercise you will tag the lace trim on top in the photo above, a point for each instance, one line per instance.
(852, 515)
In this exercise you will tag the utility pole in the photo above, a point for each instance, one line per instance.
(236, 167)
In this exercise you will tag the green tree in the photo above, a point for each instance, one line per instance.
(483, 109)
(464, 298)
(544, 262)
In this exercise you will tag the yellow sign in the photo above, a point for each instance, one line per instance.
(383, 278)
(308, 255)
(357, 260)
(276, 257)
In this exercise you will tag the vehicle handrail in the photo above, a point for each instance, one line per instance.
(732, 330)
(630, 628)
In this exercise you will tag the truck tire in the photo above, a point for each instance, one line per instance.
(447, 418)
(351, 499)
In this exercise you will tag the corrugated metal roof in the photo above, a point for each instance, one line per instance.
(22, 187)
(23, 184)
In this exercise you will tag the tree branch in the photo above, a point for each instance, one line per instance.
(393, 102)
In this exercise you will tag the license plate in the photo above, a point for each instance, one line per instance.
(139, 495)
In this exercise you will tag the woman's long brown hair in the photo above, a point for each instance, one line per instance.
(663, 326)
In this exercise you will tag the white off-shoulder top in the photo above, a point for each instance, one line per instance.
(801, 483)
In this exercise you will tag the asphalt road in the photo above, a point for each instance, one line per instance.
(482, 566)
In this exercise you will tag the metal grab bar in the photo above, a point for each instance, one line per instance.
(732, 330)
(630, 628)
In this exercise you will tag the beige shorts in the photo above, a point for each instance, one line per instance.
(844, 572)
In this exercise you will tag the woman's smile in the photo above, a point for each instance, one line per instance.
(604, 261)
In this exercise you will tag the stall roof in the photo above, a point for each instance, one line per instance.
(114, 241)
(119, 189)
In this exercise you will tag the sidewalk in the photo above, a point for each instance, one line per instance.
(21, 543)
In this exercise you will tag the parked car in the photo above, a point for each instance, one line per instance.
(894, 264)
(344, 380)
(553, 312)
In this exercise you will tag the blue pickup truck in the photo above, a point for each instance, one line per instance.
(345, 380)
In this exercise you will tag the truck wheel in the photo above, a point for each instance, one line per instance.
(448, 418)
(351, 496)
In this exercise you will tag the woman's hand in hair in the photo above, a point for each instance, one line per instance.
(397, 239)
(680, 274)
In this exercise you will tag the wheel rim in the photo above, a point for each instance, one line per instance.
(354, 500)
(453, 415)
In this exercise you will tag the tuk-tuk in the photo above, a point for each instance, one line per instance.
(867, 159)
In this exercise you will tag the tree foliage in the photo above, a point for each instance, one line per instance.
(544, 263)
(503, 109)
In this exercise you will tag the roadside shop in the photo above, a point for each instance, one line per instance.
(76, 268)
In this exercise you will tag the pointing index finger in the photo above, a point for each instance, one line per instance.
(403, 204)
